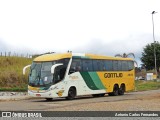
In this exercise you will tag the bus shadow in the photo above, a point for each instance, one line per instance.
(77, 98)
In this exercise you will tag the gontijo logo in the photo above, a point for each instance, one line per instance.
(113, 75)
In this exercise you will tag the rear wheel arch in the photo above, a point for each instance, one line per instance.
(116, 85)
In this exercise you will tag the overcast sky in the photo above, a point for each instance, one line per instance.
(104, 27)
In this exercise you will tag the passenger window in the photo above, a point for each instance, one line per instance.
(124, 66)
(87, 65)
(98, 65)
(108, 65)
(115, 65)
(130, 65)
(103, 65)
(119, 65)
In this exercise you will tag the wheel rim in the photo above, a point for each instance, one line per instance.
(121, 90)
(115, 90)
(71, 93)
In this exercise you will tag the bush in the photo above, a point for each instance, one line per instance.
(11, 72)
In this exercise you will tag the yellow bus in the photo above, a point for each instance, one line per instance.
(74, 74)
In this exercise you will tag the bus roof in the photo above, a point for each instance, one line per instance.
(94, 56)
(54, 56)
(58, 56)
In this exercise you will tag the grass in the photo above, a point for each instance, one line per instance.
(11, 78)
(14, 89)
(142, 85)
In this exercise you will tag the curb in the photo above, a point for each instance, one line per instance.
(8, 96)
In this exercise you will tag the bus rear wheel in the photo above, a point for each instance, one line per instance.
(121, 90)
(71, 93)
(115, 91)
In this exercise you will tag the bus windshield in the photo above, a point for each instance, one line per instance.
(41, 76)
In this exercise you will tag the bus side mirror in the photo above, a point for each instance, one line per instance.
(24, 69)
(54, 66)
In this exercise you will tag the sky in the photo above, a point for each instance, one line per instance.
(105, 27)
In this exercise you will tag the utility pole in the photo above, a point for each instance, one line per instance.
(155, 67)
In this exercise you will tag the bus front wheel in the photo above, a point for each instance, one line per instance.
(71, 93)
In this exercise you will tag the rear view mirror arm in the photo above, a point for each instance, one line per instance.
(54, 66)
(24, 69)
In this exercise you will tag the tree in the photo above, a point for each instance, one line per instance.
(148, 58)
(124, 55)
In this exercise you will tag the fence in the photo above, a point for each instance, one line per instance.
(10, 54)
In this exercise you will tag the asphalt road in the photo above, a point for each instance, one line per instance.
(132, 101)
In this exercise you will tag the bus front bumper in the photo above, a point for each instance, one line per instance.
(48, 94)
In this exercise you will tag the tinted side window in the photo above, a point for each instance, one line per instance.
(130, 65)
(64, 61)
(124, 65)
(119, 65)
(97, 65)
(87, 65)
(75, 66)
(115, 65)
(103, 65)
(108, 65)
(60, 70)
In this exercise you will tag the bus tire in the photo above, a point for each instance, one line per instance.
(121, 89)
(115, 91)
(49, 99)
(71, 93)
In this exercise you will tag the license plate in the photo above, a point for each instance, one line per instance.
(38, 95)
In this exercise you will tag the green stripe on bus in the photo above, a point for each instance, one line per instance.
(85, 57)
(76, 57)
(45, 88)
(96, 80)
(88, 80)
